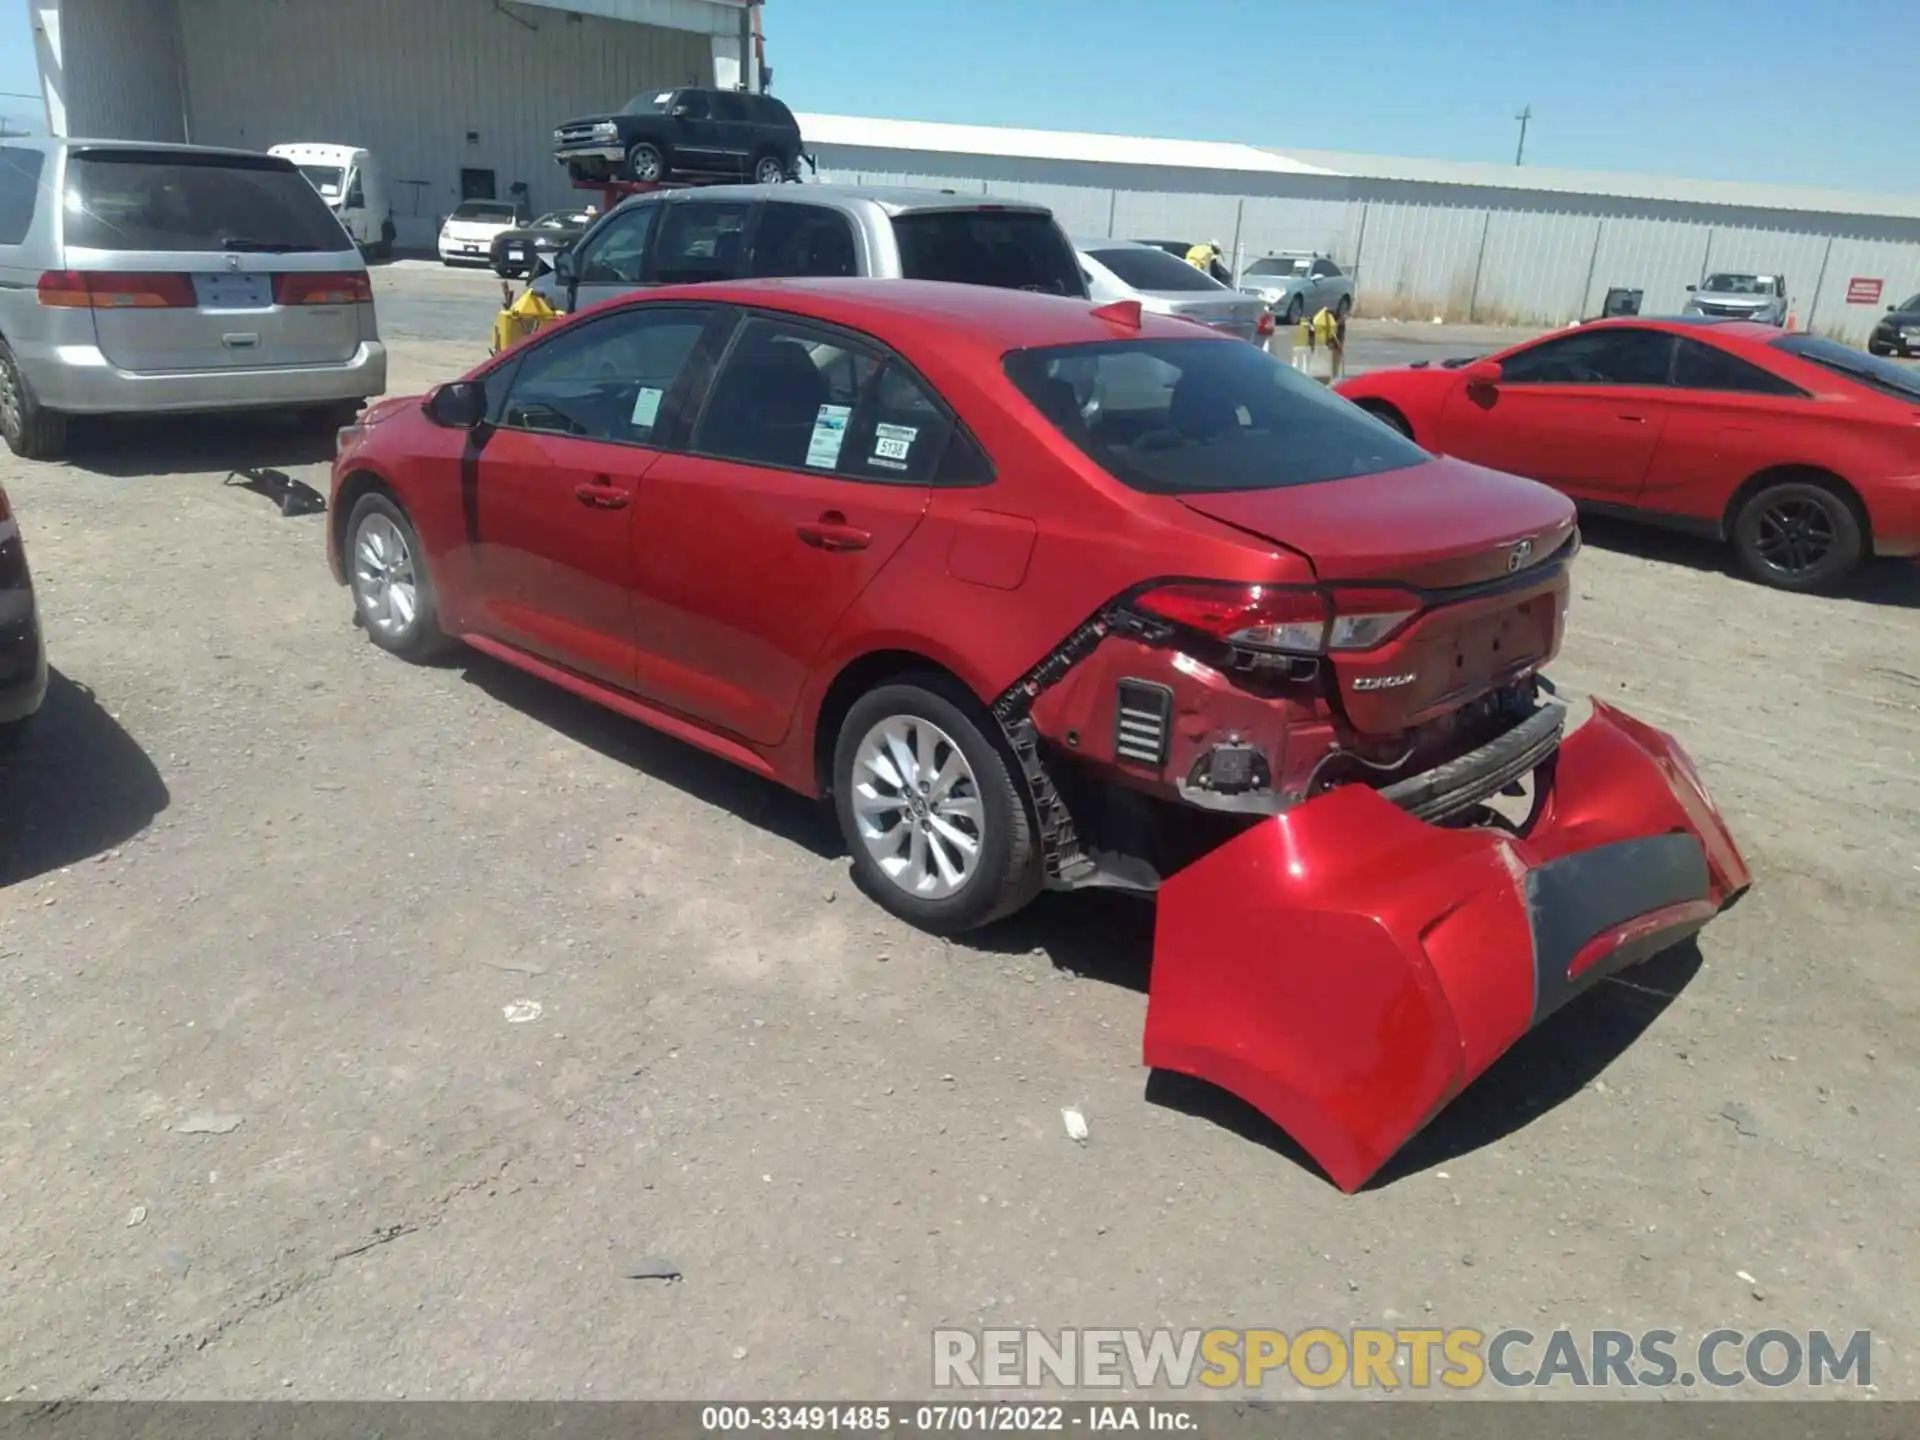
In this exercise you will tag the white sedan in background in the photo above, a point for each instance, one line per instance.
(1134, 270)
(467, 236)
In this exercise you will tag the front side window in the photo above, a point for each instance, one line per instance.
(1175, 417)
(1010, 249)
(691, 105)
(184, 201)
(702, 240)
(1324, 269)
(1593, 357)
(610, 379)
(1707, 367)
(803, 240)
(616, 253)
(356, 194)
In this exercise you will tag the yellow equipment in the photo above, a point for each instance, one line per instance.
(520, 318)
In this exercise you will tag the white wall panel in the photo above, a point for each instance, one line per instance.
(115, 68)
(260, 72)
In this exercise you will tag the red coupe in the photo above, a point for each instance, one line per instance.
(1049, 594)
(1801, 452)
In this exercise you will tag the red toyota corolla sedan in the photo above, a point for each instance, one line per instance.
(1801, 452)
(1049, 594)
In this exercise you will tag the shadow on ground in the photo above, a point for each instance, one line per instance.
(707, 778)
(1879, 582)
(75, 786)
(132, 448)
(1548, 1066)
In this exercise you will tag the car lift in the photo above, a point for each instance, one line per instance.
(614, 192)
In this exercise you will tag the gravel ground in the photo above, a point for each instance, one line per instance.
(277, 906)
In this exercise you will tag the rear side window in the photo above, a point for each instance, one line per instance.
(180, 201)
(1705, 367)
(1174, 417)
(1007, 249)
(1145, 268)
(19, 191)
(731, 105)
(803, 240)
(769, 111)
(702, 240)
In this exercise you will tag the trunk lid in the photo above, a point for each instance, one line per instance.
(1471, 546)
(1236, 315)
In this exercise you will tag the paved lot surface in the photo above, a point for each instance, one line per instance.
(269, 895)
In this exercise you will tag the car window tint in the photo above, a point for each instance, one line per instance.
(171, 200)
(702, 240)
(693, 104)
(19, 191)
(731, 105)
(1191, 416)
(803, 240)
(616, 254)
(899, 433)
(1706, 367)
(1014, 250)
(1143, 268)
(1593, 357)
(606, 380)
(785, 396)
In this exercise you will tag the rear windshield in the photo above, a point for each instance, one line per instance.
(1011, 250)
(484, 210)
(173, 201)
(1148, 269)
(1176, 417)
(1869, 370)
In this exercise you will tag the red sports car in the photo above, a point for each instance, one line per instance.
(1049, 594)
(1801, 452)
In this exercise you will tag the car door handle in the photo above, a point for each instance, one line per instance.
(1634, 419)
(602, 495)
(832, 532)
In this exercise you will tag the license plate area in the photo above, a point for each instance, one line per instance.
(233, 292)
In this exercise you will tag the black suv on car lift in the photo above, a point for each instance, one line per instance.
(681, 134)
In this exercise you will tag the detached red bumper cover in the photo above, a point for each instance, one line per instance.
(1348, 969)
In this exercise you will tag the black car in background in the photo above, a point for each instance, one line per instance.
(684, 133)
(519, 252)
(23, 655)
(1899, 332)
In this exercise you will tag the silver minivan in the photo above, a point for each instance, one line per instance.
(730, 232)
(149, 278)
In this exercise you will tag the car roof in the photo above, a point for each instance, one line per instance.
(893, 200)
(154, 146)
(1107, 242)
(1755, 330)
(988, 319)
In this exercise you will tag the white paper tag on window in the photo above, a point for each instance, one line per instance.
(829, 433)
(646, 407)
(892, 444)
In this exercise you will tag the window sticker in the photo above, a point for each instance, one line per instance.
(829, 433)
(892, 444)
(646, 407)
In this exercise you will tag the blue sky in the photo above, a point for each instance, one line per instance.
(1808, 94)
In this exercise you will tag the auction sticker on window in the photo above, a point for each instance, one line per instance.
(829, 434)
(646, 407)
(892, 444)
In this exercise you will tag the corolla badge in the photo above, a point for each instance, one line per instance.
(1519, 555)
(1384, 682)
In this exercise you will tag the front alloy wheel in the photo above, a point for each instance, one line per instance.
(392, 591)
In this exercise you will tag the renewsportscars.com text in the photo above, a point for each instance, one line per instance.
(1362, 1358)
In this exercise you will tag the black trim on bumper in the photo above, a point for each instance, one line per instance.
(1468, 779)
(1572, 900)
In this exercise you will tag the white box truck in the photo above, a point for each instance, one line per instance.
(353, 182)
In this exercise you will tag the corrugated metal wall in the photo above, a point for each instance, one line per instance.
(434, 86)
(1424, 250)
(121, 69)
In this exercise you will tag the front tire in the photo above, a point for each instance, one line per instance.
(646, 164)
(931, 807)
(31, 432)
(392, 591)
(1799, 535)
(1296, 309)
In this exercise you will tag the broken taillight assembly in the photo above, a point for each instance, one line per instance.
(1292, 619)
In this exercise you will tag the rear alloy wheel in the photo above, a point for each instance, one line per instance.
(931, 809)
(645, 163)
(30, 432)
(769, 169)
(392, 592)
(1798, 536)
(1389, 417)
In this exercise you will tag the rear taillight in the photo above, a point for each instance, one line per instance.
(1296, 619)
(103, 290)
(345, 288)
(1264, 327)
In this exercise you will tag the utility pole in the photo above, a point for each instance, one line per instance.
(1523, 117)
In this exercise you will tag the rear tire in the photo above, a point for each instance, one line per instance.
(1390, 417)
(646, 164)
(1344, 308)
(963, 811)
(31, 432)
(392, 590)
(1799, 535)
(1296, 309)
(769, 169)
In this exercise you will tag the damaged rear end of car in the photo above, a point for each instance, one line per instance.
(1379, 854)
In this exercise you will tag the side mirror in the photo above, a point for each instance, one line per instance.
(1692, 288)
(1483, 372)
(459, 405)
(566, 268)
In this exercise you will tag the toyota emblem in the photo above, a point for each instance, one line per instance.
(1519, 555)
(233, 262)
